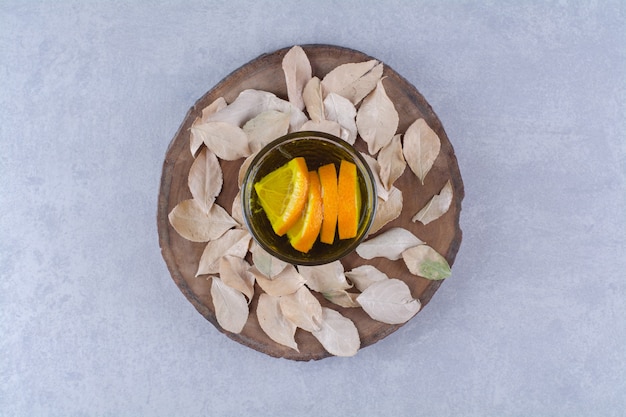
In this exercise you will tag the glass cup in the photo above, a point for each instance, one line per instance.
(318, 149)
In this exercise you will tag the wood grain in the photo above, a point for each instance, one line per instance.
(265, 73)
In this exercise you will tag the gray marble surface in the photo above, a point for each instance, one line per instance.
(532, 322)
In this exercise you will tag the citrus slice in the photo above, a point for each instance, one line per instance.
(350, 207)
(304, 233)
(330, 202)
(283, 193)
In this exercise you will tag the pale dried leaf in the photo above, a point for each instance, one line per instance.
(265, 127)
(342, 298)
(391, 161)
(195, 141)
(364, 85)
(328, 126)
(194, 223)
(231, 307)
(377, 119)
(273, 322)
(250, 103)
(268, 265)
(234, 272)
(236, 211)
(365, 275)
(421, 148)
(297, 69)
(325, 278)
(389, 301)
(288, 281)
(390, 244)
(234, 242)
(338, 334)
(302, 309)
(244, 168)
(342, 111)
(217, 105)
(387, 211)
(381, 191)
(205, 178)
(313, 99)
(354, 80)
(426, 262)
(227, 141)
(436, 206)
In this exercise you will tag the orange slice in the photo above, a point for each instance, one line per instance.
(304, 233)
(350, 207)
(330, 202)
(283, 194)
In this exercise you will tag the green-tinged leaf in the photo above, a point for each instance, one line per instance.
(425, 262)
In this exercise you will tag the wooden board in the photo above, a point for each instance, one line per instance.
(265, 73)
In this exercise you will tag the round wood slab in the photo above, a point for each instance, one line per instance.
(265, 73)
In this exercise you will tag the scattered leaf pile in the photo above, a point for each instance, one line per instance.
(351, 103)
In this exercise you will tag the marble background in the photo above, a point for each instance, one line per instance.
(532, 95)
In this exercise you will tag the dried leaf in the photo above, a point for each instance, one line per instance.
(288, 281)
(231, 307)
(236, 211)
(267, 264)
(195, 142)
(194, 223)
(377, 119)
(234, 272)
(421, 148)
(389, 301)
(387, 211)
(227, 141)
(205, 178)
(297, 69)
(342, 111)
(266, 127)
(353, 81)
(302, 309)
(391, 161)
(338, 334)
(389, 244)
(217, 105)
(250, 103)
(365, 275)
(328, 126)
(274, 323)
(234, 242)
(325, 278)
(313, 99)
(425, 262)
(436, 206)
(244, 168)
(381, 191)
(342, 298)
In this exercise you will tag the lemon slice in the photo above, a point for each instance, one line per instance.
(283, 194)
